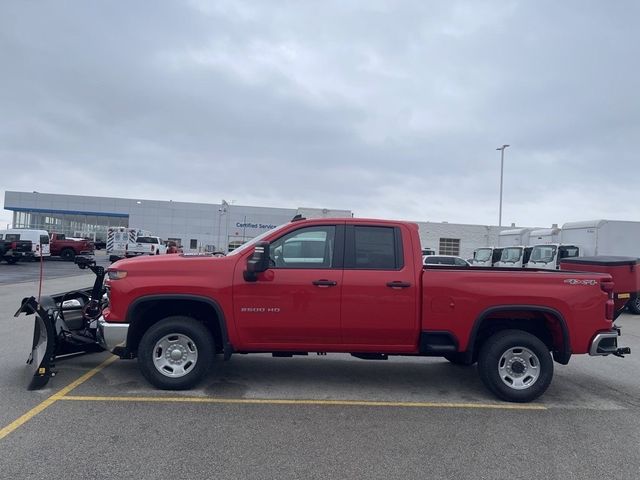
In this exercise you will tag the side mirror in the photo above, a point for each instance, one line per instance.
(259, 262)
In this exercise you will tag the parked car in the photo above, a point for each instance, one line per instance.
(444, 260)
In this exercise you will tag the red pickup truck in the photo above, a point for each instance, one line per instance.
(355, 286)
(67, 248)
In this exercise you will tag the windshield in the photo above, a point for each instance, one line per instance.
(482, 254)
(543, 253)
(511, 254)
(252, 242)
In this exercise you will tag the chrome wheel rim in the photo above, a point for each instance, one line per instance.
(519, 368)
(175, 355)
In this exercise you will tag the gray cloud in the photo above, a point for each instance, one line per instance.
(390, 109)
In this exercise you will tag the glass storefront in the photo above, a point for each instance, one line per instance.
(72, 225)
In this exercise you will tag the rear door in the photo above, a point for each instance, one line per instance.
(44, 246)
(380, 290)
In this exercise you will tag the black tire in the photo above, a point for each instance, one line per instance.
(460, 358)
(519, 357)
(634, 305)
(179, 327)
(68, 255)
(11, 260)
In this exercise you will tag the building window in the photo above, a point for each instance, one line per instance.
(193, 244)
(449, 246)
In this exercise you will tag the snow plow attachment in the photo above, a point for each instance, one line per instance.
(64, 325)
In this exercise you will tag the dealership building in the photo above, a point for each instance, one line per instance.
(204, 226)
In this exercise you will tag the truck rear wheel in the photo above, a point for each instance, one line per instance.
(515, 365)
(176, 353)
(634, 305)
(68, 254)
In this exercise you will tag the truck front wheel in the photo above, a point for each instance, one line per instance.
(176, 353)
(515, 365)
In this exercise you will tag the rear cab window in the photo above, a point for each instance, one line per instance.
(373, 248)
(155, 240)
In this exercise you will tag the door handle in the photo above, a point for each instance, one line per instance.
(398, 284)
(325, 283)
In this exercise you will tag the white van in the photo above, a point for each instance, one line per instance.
(39, 239)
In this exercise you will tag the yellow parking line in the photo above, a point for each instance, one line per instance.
(54, 398)
(266, 401)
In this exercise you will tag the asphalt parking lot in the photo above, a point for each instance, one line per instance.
(314, 417)
(52, 267)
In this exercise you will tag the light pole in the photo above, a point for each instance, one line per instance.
(221, 211)
(501, 176)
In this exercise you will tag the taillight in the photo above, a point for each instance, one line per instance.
(153, 247)
(14, 245)
(37, 248)
(607, 287)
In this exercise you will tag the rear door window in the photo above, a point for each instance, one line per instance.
(147, 240)
(374, 248)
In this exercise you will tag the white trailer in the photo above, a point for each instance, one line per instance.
(514, 237)
(603, 237)
(586, 239)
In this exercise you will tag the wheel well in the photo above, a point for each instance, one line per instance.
(545, 325)
(147, 313)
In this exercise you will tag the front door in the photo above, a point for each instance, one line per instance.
(295, 304)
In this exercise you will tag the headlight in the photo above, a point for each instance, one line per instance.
(116, 274)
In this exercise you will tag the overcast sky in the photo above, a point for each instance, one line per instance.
(391, 109)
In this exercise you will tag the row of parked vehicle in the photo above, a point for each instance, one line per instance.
(125, 242)
(21, 244)
(546, 248)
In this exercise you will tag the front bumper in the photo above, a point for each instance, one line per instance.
(111, 335)
(606, 343)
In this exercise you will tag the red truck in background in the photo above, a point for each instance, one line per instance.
(330, 285)
(67, 248)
